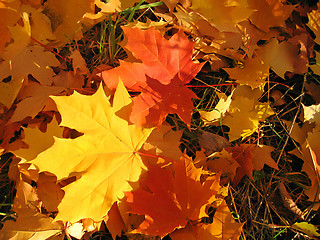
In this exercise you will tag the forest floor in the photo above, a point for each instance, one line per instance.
(253, 67)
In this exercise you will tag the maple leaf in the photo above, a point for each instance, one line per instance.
(49, 192)
(9, 12)
(243, 114)
(78, 63)
(278, 98)
(240, 160)
(299, 133)
(261, 156)
(307, 228)
(313, 23)
(290, 56)
(313, 89)
(223, 227)
(253, 73)
(172, 200)
(219, 110)
(79, 229)
(316, 68)
(212, 142)
(114, 221)
(66, 18)
(163, 143)
(15, 67)
(104, 9)
(245, 109)
(41, 29)
(166, 66)
(31, 225)
(243, 156)
(38, 141)
(32, 99)
(312, 113)
(224, 15)
(269, 13)
(278, 56)
(6, 36)
(119, 219)
(158, 100)
(163, 59)
(105, 158)
(309, 152)
(172, 3)
(159, 25)
(115, 5)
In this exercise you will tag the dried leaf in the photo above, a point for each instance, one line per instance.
(307, 228)
(288, 202)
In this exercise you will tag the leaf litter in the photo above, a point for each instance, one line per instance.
(177, 136)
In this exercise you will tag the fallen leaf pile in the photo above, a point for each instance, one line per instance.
(98, 147)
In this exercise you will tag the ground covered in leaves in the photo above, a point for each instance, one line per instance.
(174, 119)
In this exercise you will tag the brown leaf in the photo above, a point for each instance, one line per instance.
(288, 202)
(212, 142)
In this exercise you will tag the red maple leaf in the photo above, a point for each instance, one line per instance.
(161, 77)
(169, 200)
(243, 155)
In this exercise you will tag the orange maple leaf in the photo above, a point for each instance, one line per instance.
(223, 227)
(244, 157)
(269, 13)
(241, 160)
(171, 200)
(166, 67)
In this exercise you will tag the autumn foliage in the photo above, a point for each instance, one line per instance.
(134, 144)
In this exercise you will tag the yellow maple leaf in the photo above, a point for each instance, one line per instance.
(307, 228)
(105, 8)
(245, 112)
(104, 159)
(241, 112)
(38, 141)
(212, 117)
